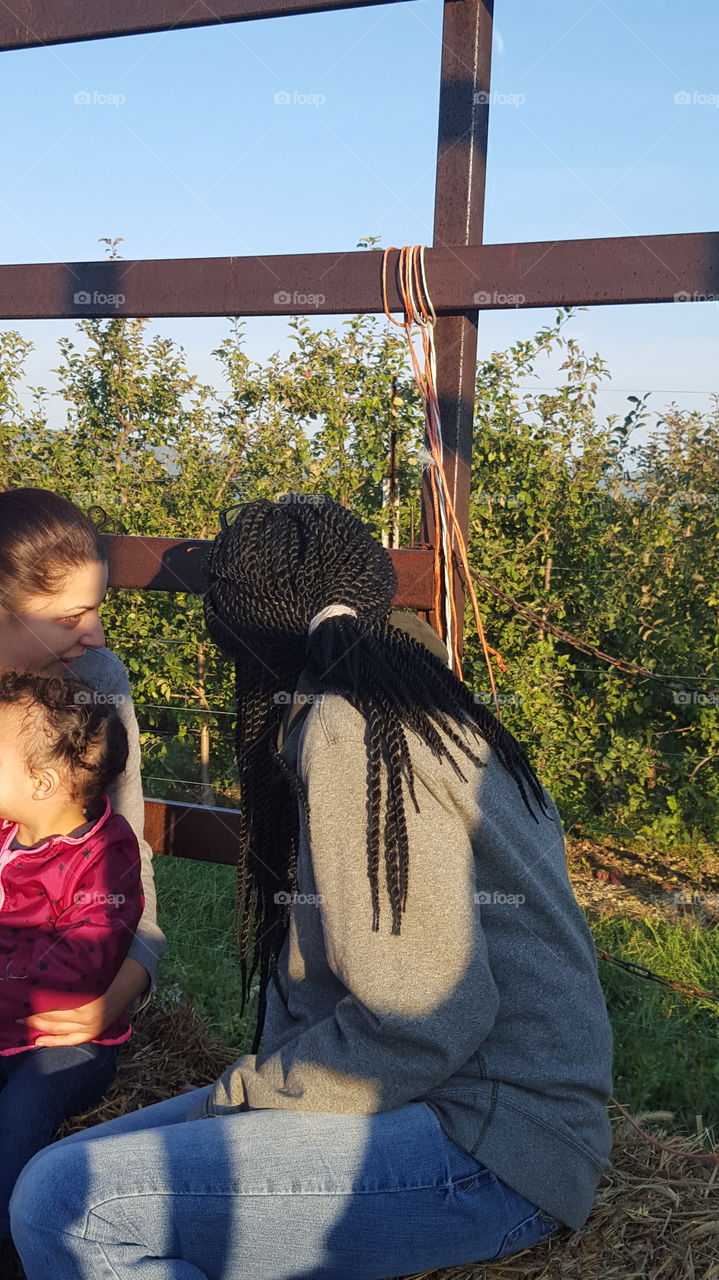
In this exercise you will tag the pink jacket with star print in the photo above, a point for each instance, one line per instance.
(69, 908)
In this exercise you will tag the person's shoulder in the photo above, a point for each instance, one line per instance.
(331, 720)
(334, 719)
(115, 830)
(104, 670)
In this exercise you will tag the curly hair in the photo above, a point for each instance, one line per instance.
(269, 572)
(68, 725)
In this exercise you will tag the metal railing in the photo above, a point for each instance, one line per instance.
(464, 276)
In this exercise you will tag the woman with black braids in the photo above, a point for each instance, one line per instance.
(432, 1061)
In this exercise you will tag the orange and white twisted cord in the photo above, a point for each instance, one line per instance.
(449, 541)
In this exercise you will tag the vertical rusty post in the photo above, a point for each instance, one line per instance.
(458, 220)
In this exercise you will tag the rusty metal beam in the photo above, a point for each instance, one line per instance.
(192, 831)
(175, 564)
(27, 24)
(487, 277)
(459, 220)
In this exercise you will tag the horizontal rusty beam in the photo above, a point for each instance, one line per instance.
(483, 277)
(27, 24)
(157, 564)
(192, 831)
(175, 564)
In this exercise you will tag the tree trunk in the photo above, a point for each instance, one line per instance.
(207, 795)
(547, 582)
(390, 497)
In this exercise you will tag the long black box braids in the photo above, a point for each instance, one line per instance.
(269, 571)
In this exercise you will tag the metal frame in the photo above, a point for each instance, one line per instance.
(464, 276)
(175, 564)
(30, 24)
(462, 280)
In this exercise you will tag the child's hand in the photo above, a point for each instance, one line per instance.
(88, 1021)
(70, 1026)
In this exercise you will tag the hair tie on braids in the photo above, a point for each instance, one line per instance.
(330, 611)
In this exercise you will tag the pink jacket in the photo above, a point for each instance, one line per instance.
(69, 908)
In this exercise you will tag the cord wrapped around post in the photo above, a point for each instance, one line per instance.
(450, 548)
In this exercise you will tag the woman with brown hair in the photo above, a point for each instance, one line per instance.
(53, 579)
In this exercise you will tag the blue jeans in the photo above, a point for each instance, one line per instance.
(270, 1195)
(39, 1088)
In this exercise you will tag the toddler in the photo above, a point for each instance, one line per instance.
(70, 900)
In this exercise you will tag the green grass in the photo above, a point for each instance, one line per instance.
(195, 910)
(666, 1045)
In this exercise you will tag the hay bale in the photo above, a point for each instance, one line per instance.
(656, 1215)
(170, 1048)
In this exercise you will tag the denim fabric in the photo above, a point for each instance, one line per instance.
(271, 1195)
(40, 1088)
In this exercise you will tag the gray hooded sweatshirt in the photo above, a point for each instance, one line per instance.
(487, 1005)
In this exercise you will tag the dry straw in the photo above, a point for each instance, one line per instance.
(656, 1216)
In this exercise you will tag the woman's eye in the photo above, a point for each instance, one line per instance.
(74, 620)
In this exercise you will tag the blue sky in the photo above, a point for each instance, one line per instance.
(197, 159)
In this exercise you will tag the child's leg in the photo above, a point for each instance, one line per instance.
(42, 1088)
